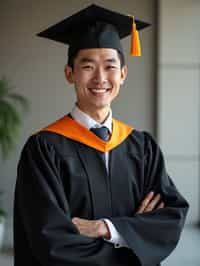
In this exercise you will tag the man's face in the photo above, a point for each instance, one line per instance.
(97, 76)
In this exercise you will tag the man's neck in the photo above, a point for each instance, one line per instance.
(98, 115)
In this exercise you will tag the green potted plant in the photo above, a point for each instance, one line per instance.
(12, 105)
(2, 212)
(2, 222)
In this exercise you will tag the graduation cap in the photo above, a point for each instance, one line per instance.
(96, 27)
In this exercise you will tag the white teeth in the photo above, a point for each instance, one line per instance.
(99, 90)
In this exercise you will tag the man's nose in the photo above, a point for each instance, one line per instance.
(100, 76)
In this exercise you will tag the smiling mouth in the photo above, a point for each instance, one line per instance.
(99, 91)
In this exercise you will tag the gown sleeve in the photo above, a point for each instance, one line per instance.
(41, 204)
(153, 235)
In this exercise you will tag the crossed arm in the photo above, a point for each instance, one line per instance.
(50, 234)
(99, 228)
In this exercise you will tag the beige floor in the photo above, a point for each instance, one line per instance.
(187, 252)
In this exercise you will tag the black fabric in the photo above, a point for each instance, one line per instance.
(59, 179)
(92, 27)
(102, 133)
(65, 30)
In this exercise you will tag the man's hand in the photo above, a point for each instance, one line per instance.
(99, 228)
(92, 228)
(151, 202)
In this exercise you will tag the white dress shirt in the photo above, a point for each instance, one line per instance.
(88, 122)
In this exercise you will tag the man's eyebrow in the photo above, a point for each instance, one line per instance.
(87, 60)
(90, 60)
(111, 60)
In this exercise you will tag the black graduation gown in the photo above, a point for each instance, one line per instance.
(59, 178)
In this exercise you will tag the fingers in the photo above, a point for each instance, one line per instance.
(145, 202)
(151, 202)
(75, 220)
(151, 206)
(161, 205)
(90, 228)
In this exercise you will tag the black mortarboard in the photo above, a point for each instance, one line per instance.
(93, 27)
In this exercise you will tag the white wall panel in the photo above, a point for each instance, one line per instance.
(179, 31)
(179, 95)
(185, 174)
(179, 111)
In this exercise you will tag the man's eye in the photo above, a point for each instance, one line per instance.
(87, 67)
(111, 67)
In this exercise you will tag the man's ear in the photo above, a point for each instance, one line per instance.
(124, 72)
(68, 73)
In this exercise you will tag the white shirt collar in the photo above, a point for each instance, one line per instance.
(88, 122)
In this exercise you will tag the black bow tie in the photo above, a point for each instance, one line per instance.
(101, 132)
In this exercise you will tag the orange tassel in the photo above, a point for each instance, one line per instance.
(135, 41)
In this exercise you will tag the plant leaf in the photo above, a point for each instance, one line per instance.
(10, 116)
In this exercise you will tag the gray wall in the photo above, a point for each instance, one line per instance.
(179, 96)
(35, 67)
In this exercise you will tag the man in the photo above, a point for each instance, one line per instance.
(89, 187)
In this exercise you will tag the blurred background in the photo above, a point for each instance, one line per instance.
(161, 94)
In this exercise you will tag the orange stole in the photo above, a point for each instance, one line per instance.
(71, 129)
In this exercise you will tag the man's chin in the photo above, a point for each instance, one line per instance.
(102, 106)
